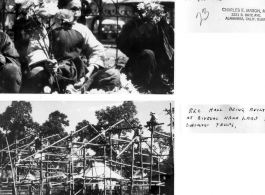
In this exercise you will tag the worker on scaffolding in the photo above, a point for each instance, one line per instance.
(153, 120)
(137, 133)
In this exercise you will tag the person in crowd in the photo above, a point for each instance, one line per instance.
(65, 70)
(10, 70)
(148, 42)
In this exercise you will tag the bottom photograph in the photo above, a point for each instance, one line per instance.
(87, 147)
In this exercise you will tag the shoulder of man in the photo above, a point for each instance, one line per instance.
(80, 27)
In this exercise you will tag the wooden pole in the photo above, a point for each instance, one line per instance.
(41, 177)
(56, 142)
(31, 192)
(14, 189)
(69, 177)
(105, 193)
(137, 167)
(1, 161)
(126, 147)
(47, 180)
(87, 143)
(72, 176)
(171, 132)
(158, 168)
(84, 171)
(110, 142)
(141, 156)
(18, 141)
(132, 169)
(16, 162)
(71, 165)
(151, 158)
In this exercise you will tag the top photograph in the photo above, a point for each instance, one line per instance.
(87, 46)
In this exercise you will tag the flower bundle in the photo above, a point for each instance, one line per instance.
(37, 9)
(151, 10)
(36, 14)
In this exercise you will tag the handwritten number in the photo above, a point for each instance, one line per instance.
(203, 15)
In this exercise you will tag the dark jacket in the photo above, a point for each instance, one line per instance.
(8, 49)
(137, 36)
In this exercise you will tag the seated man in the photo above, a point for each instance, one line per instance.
(10, 72)
(149, 45)
(68, 40)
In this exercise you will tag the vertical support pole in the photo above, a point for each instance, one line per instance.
(141, 156)
(70, 167)
(158, 168)
(121, 180)
(151, 157)
(14, 189)
(84, 170)
(15, 159)
(47, 180)
(105, 193)
(110, 162)
(171, 126)
(69, 177)
(72, 176)
(31, 188)
(41, 176)
(1, 161)
(120, 187)
(171, 131)
(132, 165)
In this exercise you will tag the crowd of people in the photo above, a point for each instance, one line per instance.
(148, 44)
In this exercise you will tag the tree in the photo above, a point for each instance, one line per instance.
(86, 133)
(89, 133)
(17, 121)
(55, 124)
(112, 115)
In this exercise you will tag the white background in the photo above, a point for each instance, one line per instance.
(219, 68)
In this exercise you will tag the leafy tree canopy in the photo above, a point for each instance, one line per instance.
(55, 124)
(112, 115)
(17, 121)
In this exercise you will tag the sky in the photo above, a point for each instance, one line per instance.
(77, 111)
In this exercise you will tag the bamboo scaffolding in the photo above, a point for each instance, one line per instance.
(126, 147)
(98, 135)
(47, 168)
(57, 142)
(14, 189)
(15, 143)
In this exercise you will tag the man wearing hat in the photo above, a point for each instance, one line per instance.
(68, 41)
(153, 119)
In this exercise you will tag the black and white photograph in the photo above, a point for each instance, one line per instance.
(87, 46)
(87, 147)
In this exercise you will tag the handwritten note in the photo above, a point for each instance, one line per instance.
(223, 15)
(222, 119)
